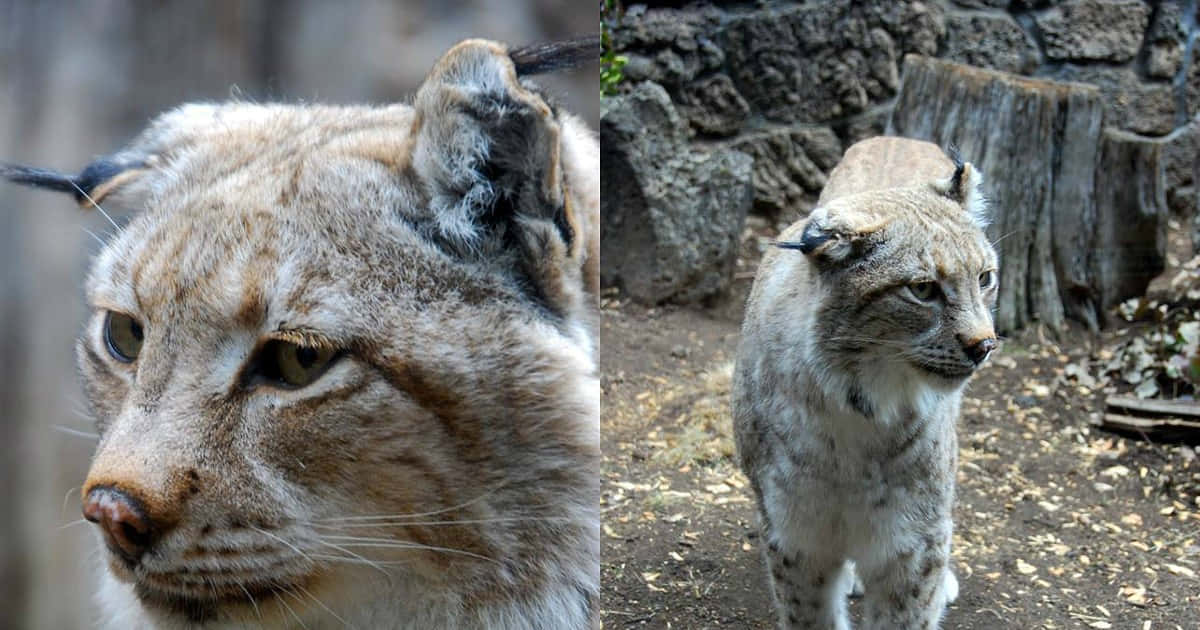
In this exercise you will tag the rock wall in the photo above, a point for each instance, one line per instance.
(672, 218)
(756, 77)
(794, 84)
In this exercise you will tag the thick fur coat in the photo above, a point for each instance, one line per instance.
(861, 331)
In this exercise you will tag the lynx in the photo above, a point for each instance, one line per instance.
(861, 330)
(341, 363)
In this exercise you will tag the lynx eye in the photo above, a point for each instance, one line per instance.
(123, 336)
(987, 279)
(292, 365)
(925, 291)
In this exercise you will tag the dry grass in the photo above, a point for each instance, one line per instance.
(702, 430)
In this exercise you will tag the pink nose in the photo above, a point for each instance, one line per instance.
(980, 350)
(127, 529)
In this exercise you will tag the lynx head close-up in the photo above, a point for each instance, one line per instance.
(341, 361)
(897, 279)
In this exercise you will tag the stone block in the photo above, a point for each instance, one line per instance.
(1094, 30)
(1129, 103)
(667, 46)
(790, 168)
(1165, 41)
(713, 105)
(671, 217)
(993, 41)
(823, 61)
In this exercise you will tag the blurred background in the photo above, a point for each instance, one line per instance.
(79, 79)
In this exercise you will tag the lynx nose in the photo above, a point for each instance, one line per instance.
(127, 529)
(979, 350)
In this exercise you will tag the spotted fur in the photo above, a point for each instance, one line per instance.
(443, 473)
(847, 386)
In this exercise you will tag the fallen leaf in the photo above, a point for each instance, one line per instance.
(1114, 471)
(1134, 520)
(1179, 570)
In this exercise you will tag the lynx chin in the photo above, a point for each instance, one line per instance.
(341, 361)
(861, 331)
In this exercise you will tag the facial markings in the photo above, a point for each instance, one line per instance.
(428, 392)
(198, 309)
(373, 430)
(880, 285)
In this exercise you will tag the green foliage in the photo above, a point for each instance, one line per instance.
(611, 64)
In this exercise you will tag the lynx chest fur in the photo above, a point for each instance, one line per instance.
(341, 363)
(860, 333)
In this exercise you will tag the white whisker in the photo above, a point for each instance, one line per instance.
(348, 560)
(97, 206)
(871, 340)
(79, 408)
(71, 524)
(93, 235)
(997, 241)
(383, 543)
(351, 553)
(250, 597)
(66, 498)
(79, 413)
(415, 514)
(291, 592)
(322, 605)
(75, 432)
(507, 519)
(289, 545)
(289, 609)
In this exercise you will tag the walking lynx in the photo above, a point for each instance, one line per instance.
(860, 333)
(341, 361)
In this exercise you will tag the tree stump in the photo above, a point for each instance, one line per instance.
(1130, 243)
(1078, 212)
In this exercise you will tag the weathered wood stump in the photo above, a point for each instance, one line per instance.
(1078, 211)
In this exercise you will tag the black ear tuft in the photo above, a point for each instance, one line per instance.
(957, 187)
(811, 239)
(93, 184)
(955, 155)
(554, 56)
(964, 186)
(98, 173)
(38, 178)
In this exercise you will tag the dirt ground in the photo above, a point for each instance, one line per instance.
(1059, 524)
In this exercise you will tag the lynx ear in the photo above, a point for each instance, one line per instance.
(829, 240)
(91, 186)
(964, 186)
(488, 150)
